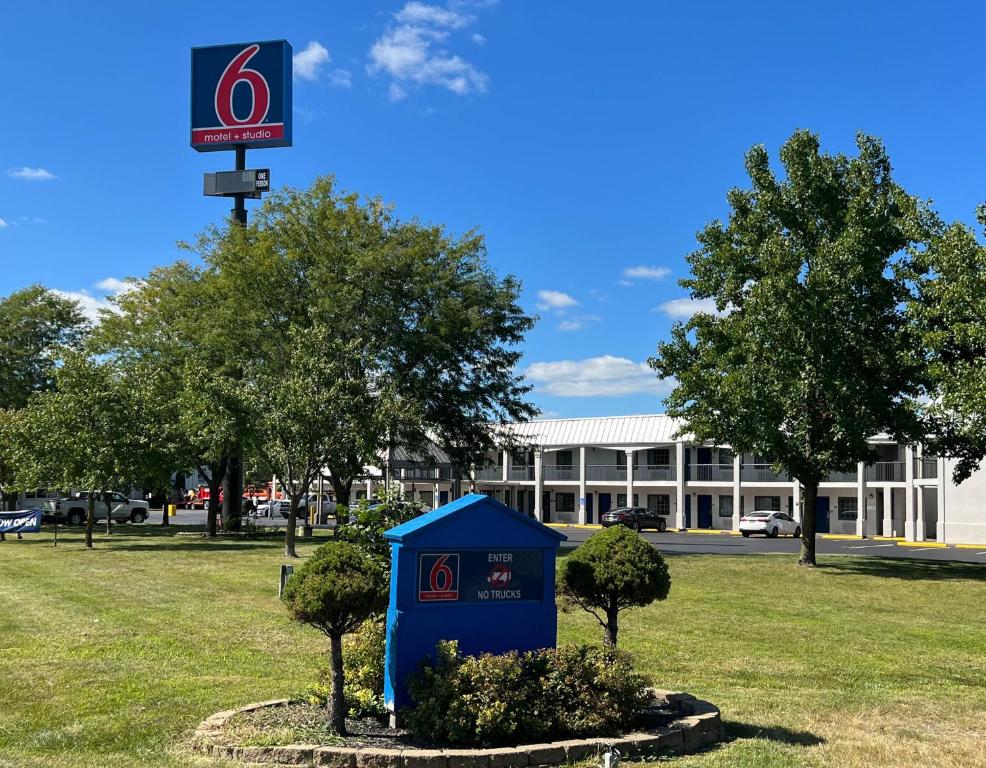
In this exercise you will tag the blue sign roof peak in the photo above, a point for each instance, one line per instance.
(472, 503)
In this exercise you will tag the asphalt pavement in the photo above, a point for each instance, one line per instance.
(717, 543)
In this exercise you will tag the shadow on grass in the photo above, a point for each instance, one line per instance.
(735, 730)
(156, 537)
(908, 569)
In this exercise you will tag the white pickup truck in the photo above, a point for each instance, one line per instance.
(73, 510)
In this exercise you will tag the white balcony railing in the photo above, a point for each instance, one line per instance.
(557, 472)
(654, 472)
(716, 473)
(762, 473)
(521, 472)
(926, 468)
(489, 473)
(606, 473)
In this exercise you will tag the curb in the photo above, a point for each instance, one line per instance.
(698, 725)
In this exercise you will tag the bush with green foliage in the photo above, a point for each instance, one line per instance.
(366, 525)
(336, 590)
(614, 570)
(514, 698)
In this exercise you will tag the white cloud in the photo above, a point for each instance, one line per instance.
(478, 39)
(411, 52)
(646, 273)
(115, 285)
(578, 322)
(341, 78)
(422, 13)
(309, 61)
(556, 300)
(31, 174)
(682, 309)
(2, 223)
(603, 376)
(91, 303)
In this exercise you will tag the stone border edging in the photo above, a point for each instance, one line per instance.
(699, 725)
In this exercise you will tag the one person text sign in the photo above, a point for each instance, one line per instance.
(241, 94)
(481, 576)
(22, 521)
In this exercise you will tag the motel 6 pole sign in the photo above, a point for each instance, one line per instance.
(241, 96)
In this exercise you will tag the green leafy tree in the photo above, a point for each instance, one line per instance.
(37, 326)
(180, 328)
(809, 352)
(948, 308)
(336, 590)
(365, 526)
(614, 570)
(429, 332)
(82, 435)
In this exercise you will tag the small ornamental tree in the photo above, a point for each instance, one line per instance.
(614, 570)
(336, 590)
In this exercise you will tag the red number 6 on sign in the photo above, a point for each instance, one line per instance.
(441, 570)
(236, 72)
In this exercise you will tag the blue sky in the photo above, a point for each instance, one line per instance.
(588, 141)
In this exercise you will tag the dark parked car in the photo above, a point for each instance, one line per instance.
(637, 518)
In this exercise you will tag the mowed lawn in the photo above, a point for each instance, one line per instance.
(110, 658)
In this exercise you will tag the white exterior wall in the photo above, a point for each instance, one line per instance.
(964, 516)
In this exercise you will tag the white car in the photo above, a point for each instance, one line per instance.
(772, 524)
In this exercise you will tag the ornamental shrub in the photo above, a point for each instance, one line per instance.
(614, 570)
(362, 664)
(336, 590)
(515, 698)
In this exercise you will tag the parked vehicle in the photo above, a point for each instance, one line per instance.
(283, 506)
(637, 518)
(772, 524)
(73, 509)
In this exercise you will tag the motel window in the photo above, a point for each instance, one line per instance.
(658, 457)
(767, 503)
(725, 456)
(725, 506)
(621, 459)
(847, 508)
(621, 500)
(659, 503)
(564, 502)
(564, 459)
(427, 498)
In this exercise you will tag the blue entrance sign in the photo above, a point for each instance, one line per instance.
(23, 521)
(474, 571)
(481, 575)
(241, 94)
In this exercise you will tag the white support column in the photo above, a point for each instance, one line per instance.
(888, 513)
(796, 495)
(861, 499)
(920, 530)
(505, 474)
(629, 478)
(736, 492)
(582, 489)
(679, 496)
(434, 496)
(538, 487)
(940, 488)
(909, 493)
(369, 488)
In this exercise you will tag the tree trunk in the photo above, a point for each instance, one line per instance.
(216, 474)
(337, 698)
(341, 489)
(233, 491)
(90, 518)
(289, 533)
(612, 626)
(808, 525)
(109, 511)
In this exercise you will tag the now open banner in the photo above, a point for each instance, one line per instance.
(22, 521)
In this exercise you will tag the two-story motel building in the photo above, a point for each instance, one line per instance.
(577, 469)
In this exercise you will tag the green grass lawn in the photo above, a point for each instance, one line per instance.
(110, 658)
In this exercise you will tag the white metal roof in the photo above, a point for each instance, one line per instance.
(604, 431)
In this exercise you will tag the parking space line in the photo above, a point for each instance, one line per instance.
(872, 546)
